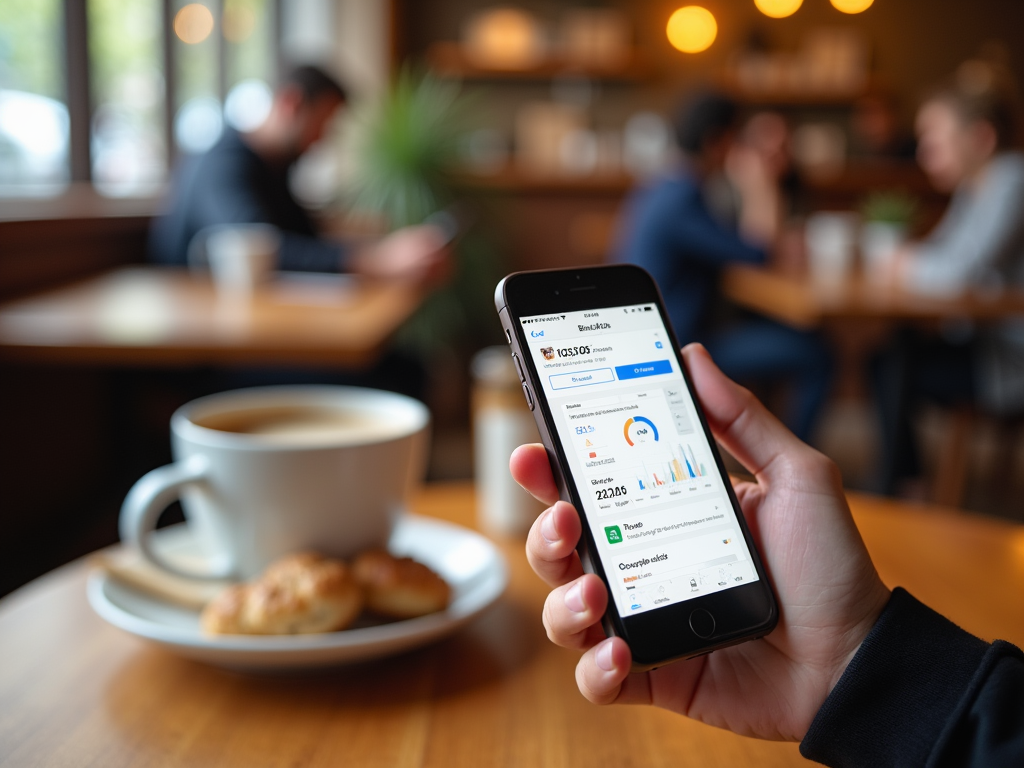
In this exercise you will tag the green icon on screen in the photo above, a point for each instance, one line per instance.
(614, 534)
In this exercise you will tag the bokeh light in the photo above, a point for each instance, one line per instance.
(193, 23)
(692, 29)
(778, 9)
(504, 38)
(852, 6)
(248, 104)
(238, 22)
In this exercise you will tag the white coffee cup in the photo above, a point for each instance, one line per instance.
(268, 471)
(831, 241)
(879, 242)
(241, 256)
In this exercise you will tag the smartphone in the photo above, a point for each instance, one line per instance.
(630, 448)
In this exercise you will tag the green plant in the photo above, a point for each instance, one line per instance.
(409, 143)
(890, 207)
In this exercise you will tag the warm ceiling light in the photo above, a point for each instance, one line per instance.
(778, 9)
(692, 29)
(852, 6)
(193, 23)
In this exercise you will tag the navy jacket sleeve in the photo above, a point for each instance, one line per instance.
(670, 233)
(230, 196)
(230, 184)
(923, 692)
(671, 222)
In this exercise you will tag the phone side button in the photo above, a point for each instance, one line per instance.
(702, 623)
(508, 335)
(529, 400)
(519, 367)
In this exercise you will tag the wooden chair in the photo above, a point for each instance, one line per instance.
(949, 485)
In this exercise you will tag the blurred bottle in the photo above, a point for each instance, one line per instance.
(501, 423)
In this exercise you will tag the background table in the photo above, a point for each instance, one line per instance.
(154, 316)
(76, 691)
(801, 302)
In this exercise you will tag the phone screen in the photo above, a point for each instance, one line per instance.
(655, 501)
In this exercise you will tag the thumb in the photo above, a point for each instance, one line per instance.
(737, 419)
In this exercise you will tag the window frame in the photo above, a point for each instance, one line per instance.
(78, 80)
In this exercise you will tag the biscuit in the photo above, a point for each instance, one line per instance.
(299, 594)
(399, 587)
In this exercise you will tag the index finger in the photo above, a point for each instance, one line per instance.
(530, 468)
(551, 545)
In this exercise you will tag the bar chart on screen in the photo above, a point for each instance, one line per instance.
(681, 467)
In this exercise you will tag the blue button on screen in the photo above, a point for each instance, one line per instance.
(639, 370)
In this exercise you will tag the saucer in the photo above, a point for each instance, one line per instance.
(471, 564)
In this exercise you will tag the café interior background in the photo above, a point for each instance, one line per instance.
(563, 108)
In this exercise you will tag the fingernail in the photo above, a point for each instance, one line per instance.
(547, 527)
(574, 599)
(603, 657)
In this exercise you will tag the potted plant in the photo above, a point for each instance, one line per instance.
(410, 141)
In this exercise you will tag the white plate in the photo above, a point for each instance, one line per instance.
(470, 563)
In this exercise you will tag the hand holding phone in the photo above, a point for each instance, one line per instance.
(629, 447)
(829, 592)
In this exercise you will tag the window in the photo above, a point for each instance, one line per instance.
(108, 91)
(129, 153)
(34, 121)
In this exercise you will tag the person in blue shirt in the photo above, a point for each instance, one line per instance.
(673, 231)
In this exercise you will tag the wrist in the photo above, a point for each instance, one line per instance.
(872, 606)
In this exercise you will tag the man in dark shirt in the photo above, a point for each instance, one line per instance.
(862, 677)
(243, 179)
(672, 232)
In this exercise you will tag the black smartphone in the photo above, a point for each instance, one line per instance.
(630, 448)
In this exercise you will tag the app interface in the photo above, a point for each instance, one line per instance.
(654, 499)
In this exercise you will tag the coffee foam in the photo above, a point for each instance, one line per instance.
(305, 425)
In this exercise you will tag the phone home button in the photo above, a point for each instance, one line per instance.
(702, 623)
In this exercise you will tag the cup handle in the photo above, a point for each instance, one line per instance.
(150, 496)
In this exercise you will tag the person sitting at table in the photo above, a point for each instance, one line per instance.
(968, 145)
(859, 674)
(673, 232)
(243, 179)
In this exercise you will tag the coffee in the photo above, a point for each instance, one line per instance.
(294, 425)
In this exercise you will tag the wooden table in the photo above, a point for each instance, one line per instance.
(75, 691)
(803, 303)
(154, 316)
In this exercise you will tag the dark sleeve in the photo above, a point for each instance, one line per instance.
(669, 223)
(229, 193)
(695, 232)
(923, 692)
(302, 253)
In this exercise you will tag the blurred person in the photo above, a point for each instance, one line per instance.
(876, 132)
(968, 144)
(684, 240)
(243, 179)
(860, 675)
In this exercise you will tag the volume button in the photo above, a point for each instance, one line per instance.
(529, 395)
(519, 367)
